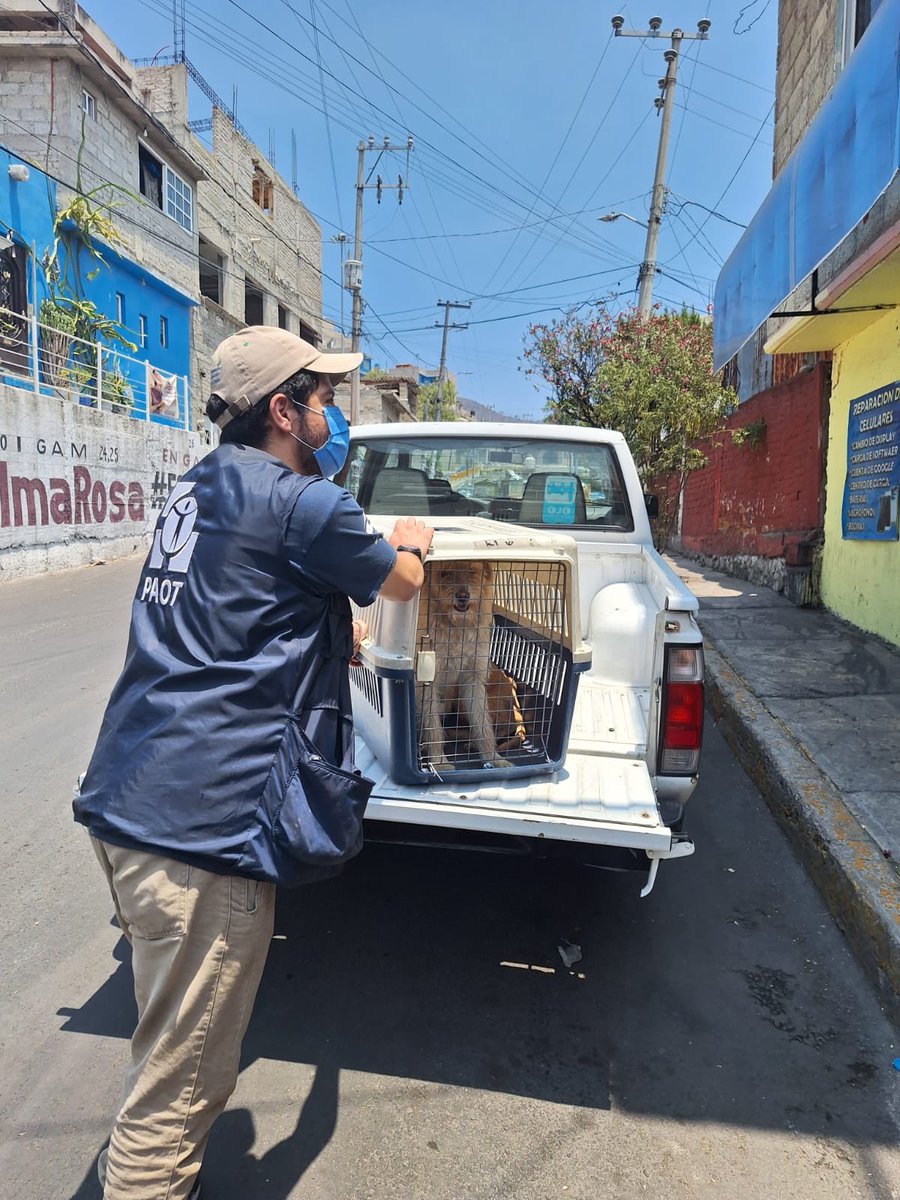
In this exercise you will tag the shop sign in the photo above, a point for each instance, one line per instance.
(872, 486)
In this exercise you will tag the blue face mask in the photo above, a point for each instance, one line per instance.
(333, 454)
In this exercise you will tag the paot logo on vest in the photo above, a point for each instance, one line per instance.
(174, 540)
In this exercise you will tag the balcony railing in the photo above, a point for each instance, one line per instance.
(51, 362)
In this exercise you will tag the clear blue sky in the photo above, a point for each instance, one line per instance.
(490, 89)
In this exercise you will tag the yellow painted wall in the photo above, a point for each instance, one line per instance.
(860, 580)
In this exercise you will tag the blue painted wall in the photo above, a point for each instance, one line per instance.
(27, 209)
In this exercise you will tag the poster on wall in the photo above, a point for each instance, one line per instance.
(872, 487)
(162, 393)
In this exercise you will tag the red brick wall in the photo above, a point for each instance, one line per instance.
(767, 499)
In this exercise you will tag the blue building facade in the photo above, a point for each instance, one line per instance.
(154, 315)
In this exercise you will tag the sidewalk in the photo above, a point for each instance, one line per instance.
(811, 707)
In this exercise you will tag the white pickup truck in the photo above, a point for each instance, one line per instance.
(607, 779)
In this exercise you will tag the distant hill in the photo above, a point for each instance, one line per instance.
(484, 412)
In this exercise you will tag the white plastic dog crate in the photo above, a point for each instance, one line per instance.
(477, 675)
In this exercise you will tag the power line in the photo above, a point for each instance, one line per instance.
(720, 71)
(721, 124)
(578, 165)
(685, 202)
(337, 190)
(440, 124)
(687, 95)
(377, 65)
(381, 57)
(695, 233)
(121, 215)
(704, 292)
(737, 171)
(556, 157)
(226, 47)
(683, 255)
(603, 179)
(759, 16)
(507, 228)
(719, 103)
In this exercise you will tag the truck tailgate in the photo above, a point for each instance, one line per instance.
(593, 799)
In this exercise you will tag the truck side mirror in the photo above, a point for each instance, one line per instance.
(652, 503)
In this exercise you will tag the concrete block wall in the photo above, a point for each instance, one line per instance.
(805, 69)
(761, 502)
(77, 485)
(212, 324)
(278, 252)
(377, 406)
(34, 90)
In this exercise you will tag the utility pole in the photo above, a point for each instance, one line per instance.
(352, 280)
(341, 240)
(446, 305)
(663, 103)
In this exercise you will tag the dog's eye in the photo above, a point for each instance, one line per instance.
(446, 574)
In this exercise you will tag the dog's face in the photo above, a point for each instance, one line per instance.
(460, 591)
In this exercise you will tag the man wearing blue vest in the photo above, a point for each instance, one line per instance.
(224, 764)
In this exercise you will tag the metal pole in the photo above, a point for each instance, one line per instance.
(35, 365)
(440, 393)
(99, 376)
(648, 266)
(355, 329)
(442, 369)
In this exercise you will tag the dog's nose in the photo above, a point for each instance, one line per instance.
(463, 594)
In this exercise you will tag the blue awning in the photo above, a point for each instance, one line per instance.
(847, 158)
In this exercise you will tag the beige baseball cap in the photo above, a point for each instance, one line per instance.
(253, 362)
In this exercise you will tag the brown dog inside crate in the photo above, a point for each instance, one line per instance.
(471, 708)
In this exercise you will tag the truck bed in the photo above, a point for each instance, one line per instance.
(609, 719)
(595, 798)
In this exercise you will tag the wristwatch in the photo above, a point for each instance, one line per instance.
(412, 550)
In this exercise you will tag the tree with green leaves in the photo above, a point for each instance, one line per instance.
(428, 398)
(652, 380)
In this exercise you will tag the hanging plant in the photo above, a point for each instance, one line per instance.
(73, 325)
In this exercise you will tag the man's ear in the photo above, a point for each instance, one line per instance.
(280, 409)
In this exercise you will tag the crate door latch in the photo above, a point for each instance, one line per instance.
(426, 666)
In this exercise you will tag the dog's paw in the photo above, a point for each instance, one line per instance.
(497, 761)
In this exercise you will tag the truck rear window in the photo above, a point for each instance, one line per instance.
(566, 485)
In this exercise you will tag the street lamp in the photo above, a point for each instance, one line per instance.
(614, 216)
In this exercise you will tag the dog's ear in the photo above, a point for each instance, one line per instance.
(488, 571)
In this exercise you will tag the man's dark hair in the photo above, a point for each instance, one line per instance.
(252, 427)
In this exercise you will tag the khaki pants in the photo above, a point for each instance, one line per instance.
(199, 943)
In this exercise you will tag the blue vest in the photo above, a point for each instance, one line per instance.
(227, 741)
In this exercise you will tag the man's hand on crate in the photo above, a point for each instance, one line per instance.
(360, 629)
(409, 531)
(406, 579)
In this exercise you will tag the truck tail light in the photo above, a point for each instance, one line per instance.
(682, 711)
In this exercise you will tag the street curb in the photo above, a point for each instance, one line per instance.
(858, 884)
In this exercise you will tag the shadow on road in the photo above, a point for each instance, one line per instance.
(444, 967)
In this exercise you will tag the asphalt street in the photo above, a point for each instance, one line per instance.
(417, 1036)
